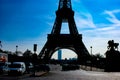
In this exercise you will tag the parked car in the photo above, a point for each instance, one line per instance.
(42, 67)
(5, 68)
(16, 68)
(29, 67)
(2, 64)
(66, 67)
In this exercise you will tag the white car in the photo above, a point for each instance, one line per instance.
(16, 67)
(5, 68)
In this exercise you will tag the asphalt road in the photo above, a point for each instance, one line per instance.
(57, 74)
(77, 75)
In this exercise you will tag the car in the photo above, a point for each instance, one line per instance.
(5, 68)
(16, 68)
(42, 67)
(29, 67)
(66, 67)
(2, 64)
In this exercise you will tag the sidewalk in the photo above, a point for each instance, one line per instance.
(39, 74)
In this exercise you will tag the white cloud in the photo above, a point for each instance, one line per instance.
(105, 29)
(84, 20)
(99, 33)
(100, 29)
(112, 18)
(98, 43)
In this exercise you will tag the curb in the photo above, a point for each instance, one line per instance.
(38, 74)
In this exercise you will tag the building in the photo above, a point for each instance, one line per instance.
(59, 54)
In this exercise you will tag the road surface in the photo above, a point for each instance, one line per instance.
(57, 74)
(76, 75)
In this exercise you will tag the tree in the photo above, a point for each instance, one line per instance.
(98, 55)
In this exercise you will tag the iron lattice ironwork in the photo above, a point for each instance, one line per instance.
(56, 40)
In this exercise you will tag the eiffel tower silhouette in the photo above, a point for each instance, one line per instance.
(56, 40)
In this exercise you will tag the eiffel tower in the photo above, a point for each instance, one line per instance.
(56, 40)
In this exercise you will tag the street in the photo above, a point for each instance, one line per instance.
(68, 75)
(57, 74)
(77, 75)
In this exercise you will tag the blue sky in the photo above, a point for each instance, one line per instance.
(27, 22)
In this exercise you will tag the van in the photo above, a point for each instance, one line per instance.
(16, 68)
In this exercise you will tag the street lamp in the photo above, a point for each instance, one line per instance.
(34, 58)
(16, 49)
(91, 58)
(35, 48)
(91, 50)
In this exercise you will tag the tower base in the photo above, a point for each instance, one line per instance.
(66, 41)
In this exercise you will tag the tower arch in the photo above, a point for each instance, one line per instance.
(65, 54)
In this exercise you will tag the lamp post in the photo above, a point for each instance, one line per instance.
(16, 49)
(34, 58)
(91, 50)
(91, 58)
(35, 48)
